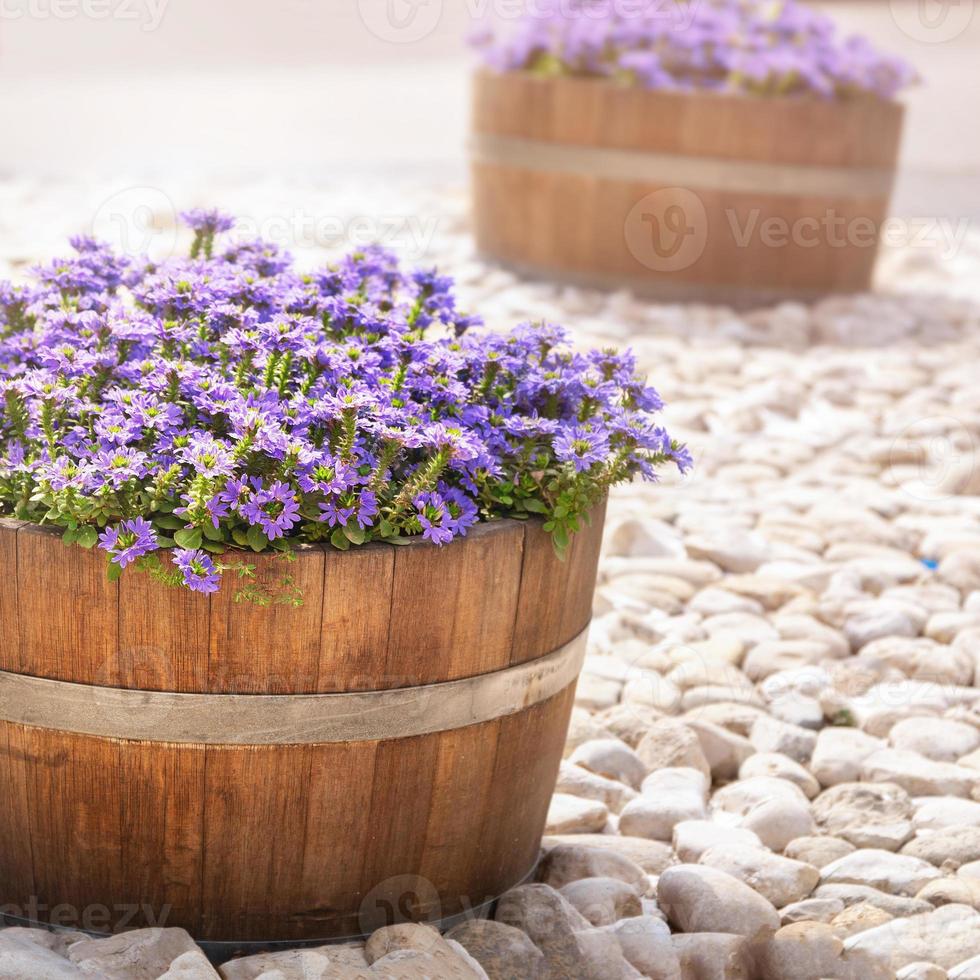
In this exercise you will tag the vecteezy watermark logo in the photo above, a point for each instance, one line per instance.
(400, 21)
(147, 13)
(667, 231)
(403, 898)
(943, 452)
(932, 21)
(138, 221)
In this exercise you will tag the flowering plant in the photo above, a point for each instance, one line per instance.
(748, 46)
(228, 402)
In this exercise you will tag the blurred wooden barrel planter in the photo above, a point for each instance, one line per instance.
(681, 196)
(386, 750)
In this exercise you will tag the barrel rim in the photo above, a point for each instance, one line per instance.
(741, 102)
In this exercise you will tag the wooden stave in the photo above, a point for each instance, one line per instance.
(571, 226)
(206, 811)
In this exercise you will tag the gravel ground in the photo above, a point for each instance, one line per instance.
(774, 764)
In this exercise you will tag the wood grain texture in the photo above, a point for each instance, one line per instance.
(740, 246)
(356, 617)
(9, 613)
(163, 637)
(556, 596)
(68, 622)
(256, 843)
(453, 609)
(271, 649)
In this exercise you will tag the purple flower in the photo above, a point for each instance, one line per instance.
(128, 541)
(581, 447)
(236, 392)
(208, 220)
(199, 572)
(275, 510)
(434, 517)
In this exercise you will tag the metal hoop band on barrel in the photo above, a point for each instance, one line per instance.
(258, 719)
(676, 170)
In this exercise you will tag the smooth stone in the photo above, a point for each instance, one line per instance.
(811, 910)
(780, 880)
(565, 863)
(962, 570)
(595, 693)
(668, 797)
(938, 812)
(398, 938)
(920, 658)
(627, 723)
(935, 738)
(921, 971)
(570, 814)
(555, 926)
(808, 950)
(652, 856)
(646, 944)
(772, 735)
(946, 936)
(611, 758)
(190, 966)
(877, 620)
(895, 905)
(741, 796)
(670, 744)
(714, 956)
(448, 961)
(502, 950)
(967, 970)
(724, 750)
(779, 821)
(866, 814)
(956, 843)
(818, 851)
(142, 954)
(780, 767)
(918, 775)
(952, 891)
(575, 781)
(858, 918)
(897, 874)
(838, 754)
(776, 656)
(693, 837)
(23, 959)
(702, 899)
(797, 709)
(730, 548)
(603, 901)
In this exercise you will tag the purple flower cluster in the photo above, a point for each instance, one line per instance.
(781, 48)
(228, 403)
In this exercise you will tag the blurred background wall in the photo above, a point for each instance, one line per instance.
(324, 88)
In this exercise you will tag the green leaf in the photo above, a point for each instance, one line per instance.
(535, 506)
(164, 542)
(256, 538)
(189, 538)
(339, 540)
(169, 522)
(214, 547)
(240, 536)
(113, 572)
(213, 533)
(355, 535)
(88, 536)
(70, 536)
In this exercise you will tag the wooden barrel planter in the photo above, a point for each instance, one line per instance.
(255, 774)
(681, 196)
